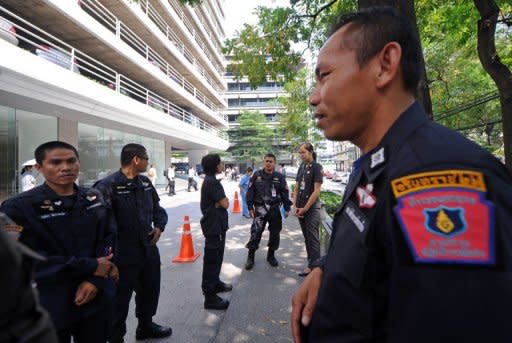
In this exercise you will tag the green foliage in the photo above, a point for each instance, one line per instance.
(456, 76)
(296, 122)
(267, 48)
(250, 139)
(331, 201)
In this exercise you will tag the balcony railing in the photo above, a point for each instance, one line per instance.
(51, 48)
(186, 21)
(162, 25)
(125, 34)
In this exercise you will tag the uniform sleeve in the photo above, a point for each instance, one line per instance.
(217, 192)
(285, 194)
(110, 237)
(159, 214)
(319, 173)
(249, 197)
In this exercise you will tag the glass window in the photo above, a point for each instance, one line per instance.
(21, 132)
(100, 152)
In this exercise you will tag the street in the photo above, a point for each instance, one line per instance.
(261, 298)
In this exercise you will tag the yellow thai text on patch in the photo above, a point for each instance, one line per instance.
(438, 179)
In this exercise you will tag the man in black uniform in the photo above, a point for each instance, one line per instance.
(140, 222)
(22, 319)
(421, 244)
(70, 227)
(267, 191)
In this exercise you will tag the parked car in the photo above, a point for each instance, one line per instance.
(328, 174)
(8, 31)
(340, 176)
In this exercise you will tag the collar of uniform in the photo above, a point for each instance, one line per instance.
(121, 178)
(412, 118)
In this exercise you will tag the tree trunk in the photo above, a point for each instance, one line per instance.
(498, 71)
(406, 7)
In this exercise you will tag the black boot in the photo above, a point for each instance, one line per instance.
(250, 260)
(271, 259)
(223, 287)
(152, 330)
(214, 302)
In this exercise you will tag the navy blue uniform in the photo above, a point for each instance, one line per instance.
(421, 245)
(71, 232)
(214, 225)
(266, 193)
(135, 205)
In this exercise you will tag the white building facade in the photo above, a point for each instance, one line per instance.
(103, 73)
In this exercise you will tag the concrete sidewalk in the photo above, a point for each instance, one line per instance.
(261, 299)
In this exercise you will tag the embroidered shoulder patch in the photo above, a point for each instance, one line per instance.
(445, 217)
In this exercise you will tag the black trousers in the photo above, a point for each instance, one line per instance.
(144, 279)
(310, 229)
(171, 184)
(262, 216)
(212, 262)
(192, 183)
(91, 329)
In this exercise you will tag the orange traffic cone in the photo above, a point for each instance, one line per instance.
(187, 248)
(236, 204)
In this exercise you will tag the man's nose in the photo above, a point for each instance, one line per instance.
(314, 97)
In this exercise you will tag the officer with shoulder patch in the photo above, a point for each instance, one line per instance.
(421, 248)
(71, 228)
(140, 221)
(267, 191)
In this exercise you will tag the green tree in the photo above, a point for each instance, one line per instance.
(296, 122)
(251, 139)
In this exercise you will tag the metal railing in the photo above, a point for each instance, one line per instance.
(101, 14)
(51, 48)
(162, 25)
(186, 21)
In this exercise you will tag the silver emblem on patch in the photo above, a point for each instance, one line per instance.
(377, 158)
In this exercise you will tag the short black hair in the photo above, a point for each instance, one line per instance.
(40, 152)
(210, 163)
(131, 150)
(374, 27)
(270, 155)
(248, 170)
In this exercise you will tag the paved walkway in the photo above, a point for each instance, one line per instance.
(261, 299)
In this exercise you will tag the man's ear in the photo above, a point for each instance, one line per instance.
(389, 64)
(38, 167)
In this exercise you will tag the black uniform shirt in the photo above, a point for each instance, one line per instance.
(269, 189)
(136, 208)
(307, 175)
(421, 245)
(215, 219)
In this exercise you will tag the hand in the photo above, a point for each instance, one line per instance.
(156, 232)
(300, 212)
(251, 213)
(286, 214)
(114, 273)
(304, 301)
(104, 265)
(86, 292)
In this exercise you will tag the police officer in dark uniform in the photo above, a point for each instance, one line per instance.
(22, 319)
(140, 222)
(267, 191)
(70, 227)
(214, 224)
(421, 245)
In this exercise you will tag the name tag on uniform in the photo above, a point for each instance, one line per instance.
(355, 216)
(445, 217)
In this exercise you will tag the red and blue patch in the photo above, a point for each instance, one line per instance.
(445, 217)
